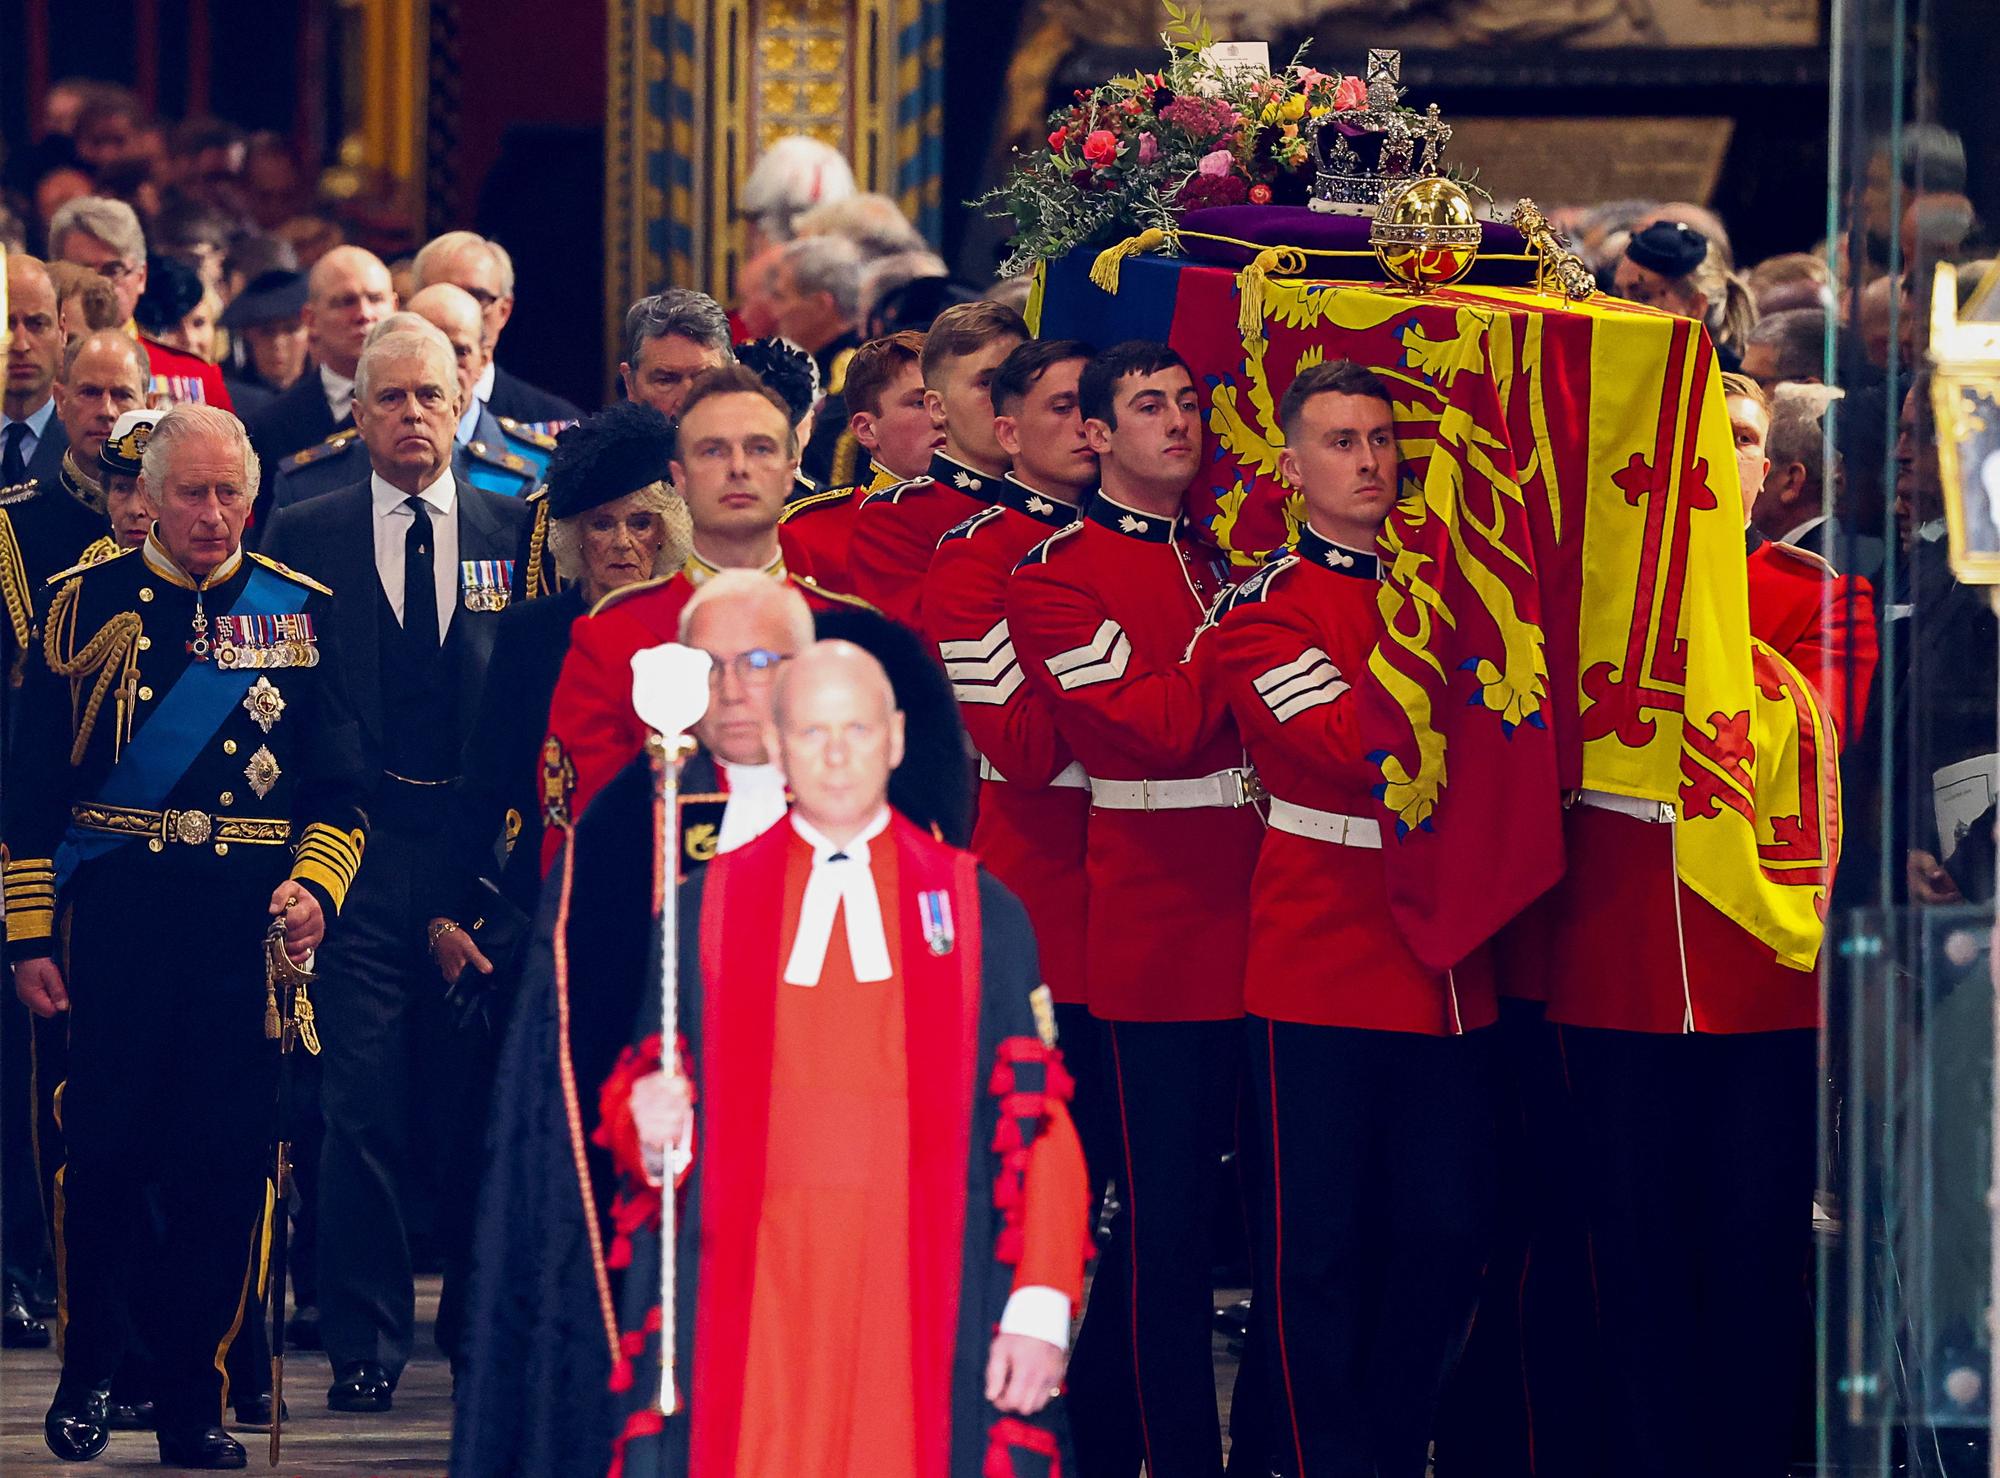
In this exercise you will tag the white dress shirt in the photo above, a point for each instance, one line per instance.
(37, 424)
(339, 391)
(1793, 535)
(482, 388)
(392, 528)
(756, 803)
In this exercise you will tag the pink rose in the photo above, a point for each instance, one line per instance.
(1216, 165)
(1310, 78)
(1101, 147)
(1352, 94)
(1059, 138)
(1149, 148)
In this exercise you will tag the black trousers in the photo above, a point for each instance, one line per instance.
(1695, 1161)
(168, 1106)
(1173, 1093)
(388, 1121)
(1379, 1153)
(1527, 1399)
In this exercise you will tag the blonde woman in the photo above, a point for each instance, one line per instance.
(1671, 265)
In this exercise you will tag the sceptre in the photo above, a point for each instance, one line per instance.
(670, 694)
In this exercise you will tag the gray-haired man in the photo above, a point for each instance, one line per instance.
(151, 840)
(425, 562)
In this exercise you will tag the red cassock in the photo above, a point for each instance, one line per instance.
(1324, 951)
(896, 534)
(1632, 948)
(593, 731)
(817, 526)
(180, 378)
(870, 1159)
(1034, 799)
(1102, 617)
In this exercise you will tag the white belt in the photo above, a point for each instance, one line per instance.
(1225, 788)
(1626, 805)
(1071, 777)
(1324, 826)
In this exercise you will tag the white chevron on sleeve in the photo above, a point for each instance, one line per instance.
(1101, 659)
(985, 670)
(1305, 682)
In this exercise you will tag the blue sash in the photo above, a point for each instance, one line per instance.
(180, 728)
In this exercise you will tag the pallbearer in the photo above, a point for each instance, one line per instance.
(1102, 615)
(1373, 1073)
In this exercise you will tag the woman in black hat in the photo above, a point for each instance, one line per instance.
(614, 522)
(266, 325)
(1670, 265)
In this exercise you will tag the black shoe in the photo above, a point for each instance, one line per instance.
(211, 1447)
(130, 1416)
(76, 1430)
(19, 1329)
(362, 1387)
(302, 1329)
(40, 1293)
(256, 1412)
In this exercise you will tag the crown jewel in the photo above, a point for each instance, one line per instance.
(1365, 152)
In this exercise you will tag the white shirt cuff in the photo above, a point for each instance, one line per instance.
(1040, 1313)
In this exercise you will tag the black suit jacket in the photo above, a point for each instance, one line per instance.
(47, 460)
(294, 421)
(332, 538)
(516, 399)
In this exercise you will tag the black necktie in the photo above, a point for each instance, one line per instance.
(13, 466)
(420, 605)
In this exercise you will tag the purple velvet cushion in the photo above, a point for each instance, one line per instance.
(1295, 225)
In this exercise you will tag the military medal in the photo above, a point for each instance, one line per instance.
(262, 772)
(486, 583)
(935, 909)
(265, 641)
(264, 703)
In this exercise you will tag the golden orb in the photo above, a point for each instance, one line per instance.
(1426, 234)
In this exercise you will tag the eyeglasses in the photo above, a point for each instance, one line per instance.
(115, 269)
(756, 668)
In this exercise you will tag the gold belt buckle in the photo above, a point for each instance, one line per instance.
(190, 828)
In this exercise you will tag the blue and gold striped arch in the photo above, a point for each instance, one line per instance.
(698, 88)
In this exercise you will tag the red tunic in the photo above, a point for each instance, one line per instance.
(593, 731)
(1102, 616)
(896, 534)
(1030, 831)
(1634, 949)
(817, 526)
(1324, 950)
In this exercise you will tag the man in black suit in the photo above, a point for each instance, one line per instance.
(32, 442)
(424, 566)
(347, 293)
(482, 268)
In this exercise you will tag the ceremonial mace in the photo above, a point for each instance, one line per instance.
(288, 1021)
(670, 694)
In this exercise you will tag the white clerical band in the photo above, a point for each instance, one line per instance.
(841, 880)
(1038, 1312)
(756, 804)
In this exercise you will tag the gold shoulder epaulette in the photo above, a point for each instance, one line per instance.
(533, 435)
(90, 561)
(289, 573)
(833, 595)
(20, 492)
(338, 442)
(1803, 556)
(626, 592)
(809, 501)
(98, 550)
